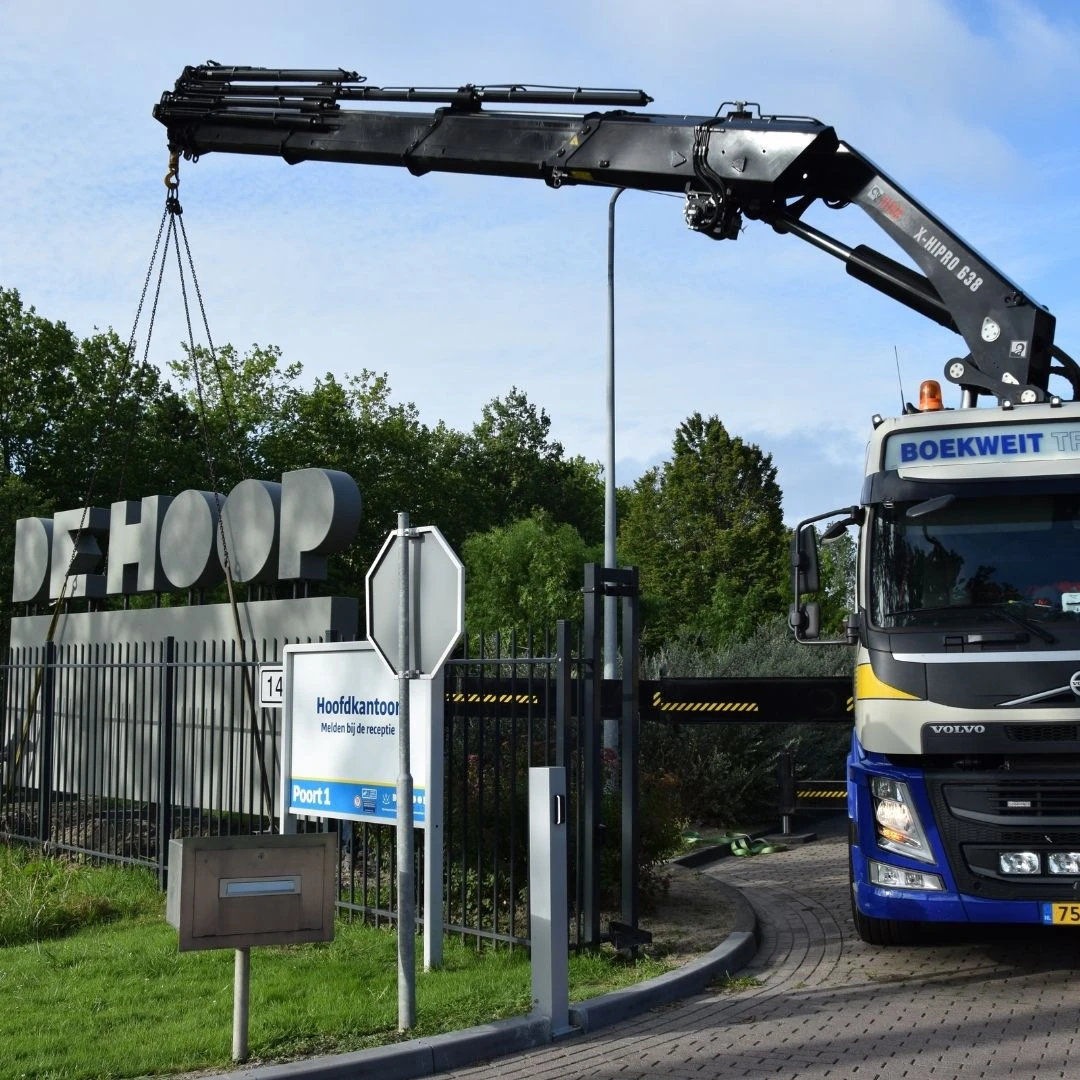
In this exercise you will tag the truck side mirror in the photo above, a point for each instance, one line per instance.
(804, 561)
(805, 620)
(855, 515)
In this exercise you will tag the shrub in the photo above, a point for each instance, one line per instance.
(660, 821)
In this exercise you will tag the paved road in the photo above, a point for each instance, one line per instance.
(995, 1004)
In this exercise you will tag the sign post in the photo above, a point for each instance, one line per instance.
(406, 877)
(429, 581)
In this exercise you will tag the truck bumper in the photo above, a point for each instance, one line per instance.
(1027, 902)
(943, 907)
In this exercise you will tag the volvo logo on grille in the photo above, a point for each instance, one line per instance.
(1074, 683)
(961, 729)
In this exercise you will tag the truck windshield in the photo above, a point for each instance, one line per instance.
(971, 557)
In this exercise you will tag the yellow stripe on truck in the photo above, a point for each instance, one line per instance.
(868, 685)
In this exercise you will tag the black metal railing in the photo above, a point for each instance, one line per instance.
(111, 750)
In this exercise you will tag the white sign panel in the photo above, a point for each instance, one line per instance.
(271, 686)
(977, 444)
(341, 734)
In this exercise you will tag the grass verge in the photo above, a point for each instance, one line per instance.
(94, 987)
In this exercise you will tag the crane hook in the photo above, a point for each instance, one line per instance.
(172, 177)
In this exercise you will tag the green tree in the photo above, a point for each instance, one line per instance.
(398, 463)
(238, 402)
(524, 575)
(517, 467)
(706, 530)
(80, 421)
(78, 416)
(81, 417)
(34, 357)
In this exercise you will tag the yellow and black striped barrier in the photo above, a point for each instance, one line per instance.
(658, 704)
(491, 697)
(759, 701)
(820, 794)
(677, 701)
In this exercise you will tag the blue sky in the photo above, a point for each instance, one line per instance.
(462, 287)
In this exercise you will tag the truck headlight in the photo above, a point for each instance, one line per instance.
(1021, 862)
(897, 820)
(1064, 862)
(897, 877)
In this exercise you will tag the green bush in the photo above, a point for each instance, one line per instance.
(661, 822)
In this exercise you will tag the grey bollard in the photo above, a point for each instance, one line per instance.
(549, 929)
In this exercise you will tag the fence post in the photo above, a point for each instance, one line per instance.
(167, 713)
(564, 689)
(631, 786)
(787, 789)
(592, 782)
(45, 743)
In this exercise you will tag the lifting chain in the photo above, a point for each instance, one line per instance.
(170, 217)
(174, 212)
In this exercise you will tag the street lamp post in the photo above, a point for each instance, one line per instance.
(611, 738)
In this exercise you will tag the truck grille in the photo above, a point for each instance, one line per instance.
(986, 811)
(1041, 732)
(1010, 800)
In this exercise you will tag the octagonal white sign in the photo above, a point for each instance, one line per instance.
(436, 601)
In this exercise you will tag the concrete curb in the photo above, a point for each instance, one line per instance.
(704, 855)
(733, 954)
(417, 1057)
(456, 1049)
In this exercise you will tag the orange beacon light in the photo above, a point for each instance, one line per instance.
(930, 396)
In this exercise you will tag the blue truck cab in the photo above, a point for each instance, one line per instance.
(964, 770)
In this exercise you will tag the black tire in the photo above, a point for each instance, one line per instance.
(884, 932)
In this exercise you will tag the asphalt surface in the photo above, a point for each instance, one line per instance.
(812, 1002)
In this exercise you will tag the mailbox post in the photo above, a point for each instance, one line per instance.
(239, 891)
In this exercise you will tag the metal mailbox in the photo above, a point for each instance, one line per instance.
(235, 892)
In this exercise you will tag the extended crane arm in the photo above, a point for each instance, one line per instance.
(731, 166)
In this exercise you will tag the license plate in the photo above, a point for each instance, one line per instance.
(1061, 914)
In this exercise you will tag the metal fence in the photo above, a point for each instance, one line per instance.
(110, 750)
(510, 704)
(508, 709)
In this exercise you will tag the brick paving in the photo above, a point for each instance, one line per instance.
(980, 1004)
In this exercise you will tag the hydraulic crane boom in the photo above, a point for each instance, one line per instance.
(730, 166)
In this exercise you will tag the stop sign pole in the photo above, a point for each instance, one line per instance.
(406, 856)
(439, 614)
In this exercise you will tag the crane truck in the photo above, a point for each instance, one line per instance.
(963, 777)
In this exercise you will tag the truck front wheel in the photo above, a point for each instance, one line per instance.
(878, 931)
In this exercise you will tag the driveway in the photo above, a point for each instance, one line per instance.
(818, 1003)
